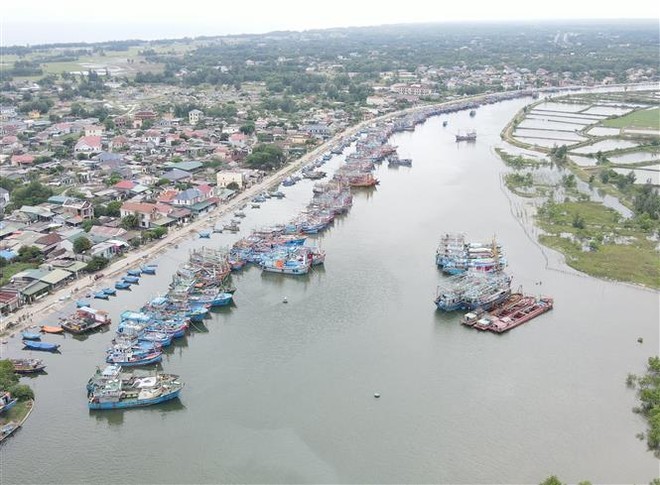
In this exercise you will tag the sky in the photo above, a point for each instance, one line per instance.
(48, 21)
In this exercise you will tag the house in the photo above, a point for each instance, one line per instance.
(188, 197)
(94, 130)
(118, 142)
(145, 212)
(88, 144)
(107, 249)
(151, 136)
(124, 186)
(48, 242)
(186, 166)
(100, 234)
(238, 140)
(225, 178)
(18, 160)
(81, 208)
(56, 278)
(318, 129)
(176, 175)
(194, 116)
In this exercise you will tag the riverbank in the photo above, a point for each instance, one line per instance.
(16, 417)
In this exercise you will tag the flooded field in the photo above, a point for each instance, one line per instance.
(605, 146)
(603, 131)
(644, 175)
(542, 142)
(635, 157)
(583, 161)
(607, 111)
(564, 107)
(556, 135)
(552, 124)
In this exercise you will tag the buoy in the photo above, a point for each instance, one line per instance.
(640, 340)
(285, 300)
(377, 395)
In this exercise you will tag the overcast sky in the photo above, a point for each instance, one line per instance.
(43, 21)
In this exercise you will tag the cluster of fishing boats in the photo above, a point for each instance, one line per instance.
(132, 277)
(197, 286)
(478, 284)
(456, 255)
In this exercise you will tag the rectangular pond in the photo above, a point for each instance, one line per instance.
(556, 135)
(642, 176)
(605, 146)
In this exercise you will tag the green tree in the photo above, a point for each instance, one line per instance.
(113, 209)
(96, 263)
(130, 221)
(30, 254)
(248, 128)
(266, 156)
(33, 193)
(233, 186)
(81, 244)
(551, 480)
(21, 392)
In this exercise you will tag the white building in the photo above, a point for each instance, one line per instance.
(224, 178)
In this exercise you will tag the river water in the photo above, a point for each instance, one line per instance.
(285, 392)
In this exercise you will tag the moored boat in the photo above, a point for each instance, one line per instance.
(108, 291)
(44, 346)
(51, 329)
(131, 359)
(31, 335)
(27, 366)
(122, 285)
(135, 391)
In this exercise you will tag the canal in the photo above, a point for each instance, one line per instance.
(284, 393)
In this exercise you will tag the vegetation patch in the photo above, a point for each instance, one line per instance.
(648, 392)
(595, 240)
(641, 119)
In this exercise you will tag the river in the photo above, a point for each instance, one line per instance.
(285, 392)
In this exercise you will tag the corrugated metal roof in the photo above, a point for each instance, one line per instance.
(34, 288)
(55, 276)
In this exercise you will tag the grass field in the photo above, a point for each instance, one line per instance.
(642, 119)
(10, 270)
(636, 262)
(17, 413)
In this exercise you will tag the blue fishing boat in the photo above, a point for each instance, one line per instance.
(134, 391)
(130, 359)
(31, 335)
(101, 295)
(109, 291)
(82, 303)
(45, 346)
(205, 234)
(197, 314)
(134, 272)
(131, 279)
(122, 285)
(148, 270)
(213, 299)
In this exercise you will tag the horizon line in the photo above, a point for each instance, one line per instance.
(321, 29)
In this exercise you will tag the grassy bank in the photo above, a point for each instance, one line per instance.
(595, 240)
(16, 414)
